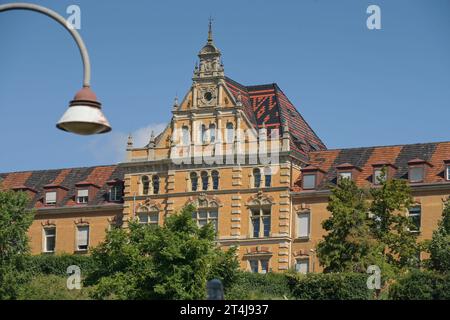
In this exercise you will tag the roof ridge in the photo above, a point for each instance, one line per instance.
(383, 146)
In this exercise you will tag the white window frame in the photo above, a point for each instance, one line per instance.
(261, 216)
(377, 172)
(51, 202)
(115, 193)
(259, 263)
(45, 239)
(422, 168)
(84, 197)
(209, 218)
(345, 175)
(305, 262)
(298, 233)
(78, 233)
(416, 213)
(447, 172)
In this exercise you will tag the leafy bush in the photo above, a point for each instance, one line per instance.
(57, 264)
(421, 285)
(258, 286)
(51, 287)
(329, 286)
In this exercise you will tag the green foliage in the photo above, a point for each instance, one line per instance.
(329, 286)
(439, 246)
(390, 225)
(347, 243)
(51, 287)
(49, 264)
(255, 286)
(15, 219)
(421, 285)
(151, 262)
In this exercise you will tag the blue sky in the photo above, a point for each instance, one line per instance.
(356, 87)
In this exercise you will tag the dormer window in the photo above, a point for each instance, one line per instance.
(311, 177)
(309, 181)
(83, 196)
(50, 198)
(115, 193)
(417, 169)
(345, 175)
(447, 170)
(378, 176)
(347, 171)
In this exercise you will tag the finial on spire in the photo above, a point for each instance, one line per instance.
(130, 141)
(210, 38)
(175, 103)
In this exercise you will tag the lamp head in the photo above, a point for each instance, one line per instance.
(84, 115)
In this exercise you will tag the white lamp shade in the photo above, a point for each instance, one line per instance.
(84, 120)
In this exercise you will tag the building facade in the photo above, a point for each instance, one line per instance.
(249, 162)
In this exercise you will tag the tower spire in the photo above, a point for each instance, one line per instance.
(210, 37)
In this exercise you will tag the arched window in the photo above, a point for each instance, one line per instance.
(147, 216)
(215, 180)
(194, 181)
(155, 181)
(212, 133)
(230, 132)
(145, 185)
(256, 178)
(267, 177)
(205, 180)
(203, 134)
(185, 132)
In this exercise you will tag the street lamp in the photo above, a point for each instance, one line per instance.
(84, 115)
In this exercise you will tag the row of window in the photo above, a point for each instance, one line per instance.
(416, 174)
(81, 238)
(115, 194)
(261, 265)
(207, 134)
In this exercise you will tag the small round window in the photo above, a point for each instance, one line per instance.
(208, 96)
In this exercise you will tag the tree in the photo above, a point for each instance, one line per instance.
(15, 219)
(390, 225)
(348, 244)
(151, 262)
(439, 246)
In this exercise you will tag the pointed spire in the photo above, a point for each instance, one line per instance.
(210, 37)
(175, 103)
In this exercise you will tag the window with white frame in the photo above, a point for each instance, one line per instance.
(260, 222)
(302, 265)
(83, 196)
(416, 174)
(415, 213)
(345, 175)
(303, 224)
(147, 216)
(378, 177)
(259, 265)
(115, 193)
(447, 172)
(309, 181)
(82, 237)
(50, 198)
(49, 244)
(204, 216)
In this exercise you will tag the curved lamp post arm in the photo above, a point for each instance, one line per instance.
(52, 14)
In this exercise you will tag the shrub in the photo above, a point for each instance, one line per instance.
(258, 286)
(57, 264)
(421, 285)
(51, 287)
(329, 286)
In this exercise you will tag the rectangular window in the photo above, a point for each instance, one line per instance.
(303, 225)
(50, 198)
(309, 181)
(83, 196)
(377, 176)
(49, 239)
(205, 216)
(416, 174)
(82, 238)
(447, 172)
(415, 217)
(345, 175)
(254, 266)
(115, 194)
(264, 266)
(261, 222)
(267, 180)
(302, 266)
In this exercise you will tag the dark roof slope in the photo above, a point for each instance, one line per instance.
(434, 153)
(267, 105)
(65, 178)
